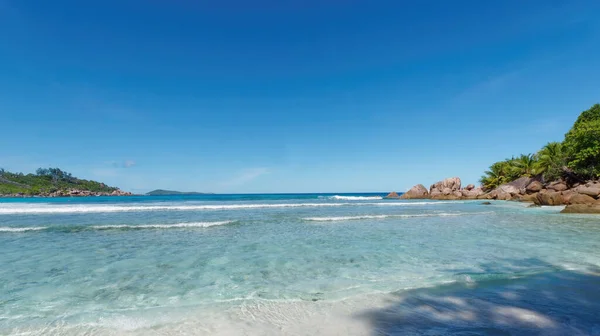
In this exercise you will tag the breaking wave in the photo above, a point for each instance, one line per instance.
(346, 218)
(117, 208)
(79, 228)
(353, 198)
(22, 229)
(51, 209)
(160, 226)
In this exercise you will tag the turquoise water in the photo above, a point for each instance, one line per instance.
(202, 264)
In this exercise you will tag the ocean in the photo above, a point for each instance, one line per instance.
(295, 264)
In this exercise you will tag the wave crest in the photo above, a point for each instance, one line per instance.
(22, 229)
(80, 208)
(346, 218)
(119, 208)
(354, 198)
(117, 227)
(160, 226)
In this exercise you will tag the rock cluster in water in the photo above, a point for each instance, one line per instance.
(448, 189)
(578, 197)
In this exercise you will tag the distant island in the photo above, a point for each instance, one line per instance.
(52, 182)
(161, 192)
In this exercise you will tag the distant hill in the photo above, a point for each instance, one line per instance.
(51, 182)
(161, 192)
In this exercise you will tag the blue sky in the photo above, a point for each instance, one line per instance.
(289, 96)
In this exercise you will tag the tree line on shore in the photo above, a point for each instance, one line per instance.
(46, 181)
(575, 159)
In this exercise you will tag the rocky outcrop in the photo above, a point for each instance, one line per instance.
(582, 196)
(521, 182)
(534, 187)
(516, 187)
(435, 194)
(567, 195)
(450, 197)
(73, 193)
(393, 195)
(452, 183)
(504, 196)
(417, 192)
(446, 189)
(472, 193)
(549, 198)
(509, 189)
(580, 199)
(592, 191)
(582, 208)
(557, 186)
(529, 198)
(85, 193)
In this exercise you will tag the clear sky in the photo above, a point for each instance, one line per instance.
(289, 96)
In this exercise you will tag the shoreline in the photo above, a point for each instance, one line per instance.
(71, 193)
(535, 303)
(296, 282)
(65, 196)
(579, 197)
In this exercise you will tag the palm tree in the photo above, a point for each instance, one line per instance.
(549, 155)
(551, 159)
(525, 165)
(496, 175)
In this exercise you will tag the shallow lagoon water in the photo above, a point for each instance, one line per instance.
(291, 264)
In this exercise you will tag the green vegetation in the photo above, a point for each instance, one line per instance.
(160, 192)
(46, 181)
(582, 144)
(578, 156)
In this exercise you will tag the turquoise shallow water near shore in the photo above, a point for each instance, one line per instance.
(264, 263)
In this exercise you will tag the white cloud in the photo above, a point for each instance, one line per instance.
(121, 164)
(245, 176)
(128, 163)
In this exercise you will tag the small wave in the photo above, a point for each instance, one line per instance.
(118, 208)
(59, 209)
(22, 229)
(80, 228)
(346, 218)
(399, 203)
(160, 226)
(354, 198)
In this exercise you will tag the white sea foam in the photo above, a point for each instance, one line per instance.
(22, 229)
(399, 203)
(354, 198)
(119, 227)
(80, 208)
(161, 226)
(346, 218)
(119, 208)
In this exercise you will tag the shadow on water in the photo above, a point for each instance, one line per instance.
(551, 301)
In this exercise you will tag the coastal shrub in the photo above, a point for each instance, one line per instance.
(550, 161)
(578, 154)
(582, 144)
(499, 173)
(524, 165)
